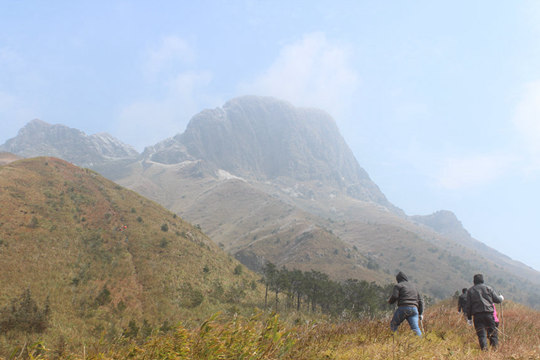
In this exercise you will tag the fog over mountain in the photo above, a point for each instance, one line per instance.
(269, 181)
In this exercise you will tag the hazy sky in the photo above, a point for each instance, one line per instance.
(439, 101)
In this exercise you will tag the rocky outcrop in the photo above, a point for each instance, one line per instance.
(265, 139)
(444, 222)
(39, 138)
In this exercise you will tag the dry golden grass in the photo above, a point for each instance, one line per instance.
(61, 237)
(447, 336)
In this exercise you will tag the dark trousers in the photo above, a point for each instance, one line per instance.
(485, 327)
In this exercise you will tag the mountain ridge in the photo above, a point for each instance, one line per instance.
(39, 138)
(194, 173)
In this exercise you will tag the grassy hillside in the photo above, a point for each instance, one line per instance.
(125, 278)
(103, 255)
(251, 224)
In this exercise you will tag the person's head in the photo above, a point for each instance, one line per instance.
(401, 277)
(478, 279)
(464, 290)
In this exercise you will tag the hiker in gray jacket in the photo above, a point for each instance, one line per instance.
(410, 304)
(480, 303)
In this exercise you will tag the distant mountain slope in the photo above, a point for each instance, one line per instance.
(39, 138)
(104, 254)
(6, 158)
(447, 224)
(246, 221)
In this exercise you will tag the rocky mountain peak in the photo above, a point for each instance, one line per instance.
(39, 138)
(34, 125)
(444, 222)
(264, 138)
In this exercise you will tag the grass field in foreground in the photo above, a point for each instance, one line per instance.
(447, 336)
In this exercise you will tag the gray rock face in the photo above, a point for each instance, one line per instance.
(168, 151)
(263, 138)
(39, 138)
(444, 222)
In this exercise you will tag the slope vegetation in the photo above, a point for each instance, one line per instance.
(446, 336)
(103, 255)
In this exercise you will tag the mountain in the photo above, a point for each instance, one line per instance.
(259, 195)
(258, 138)
(104, 255)
(446, 223)
(268, 181)
(244, 220)
(39, 138)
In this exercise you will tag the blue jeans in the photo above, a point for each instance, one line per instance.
(410, 313)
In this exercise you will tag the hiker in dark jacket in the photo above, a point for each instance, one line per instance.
(410, 304)
(480, 303)
(462, 302)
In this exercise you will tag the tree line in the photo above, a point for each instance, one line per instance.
(315, 291)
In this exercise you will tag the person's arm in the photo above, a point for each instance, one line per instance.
(394, 296)
(468, 306)
(497, 299)
(420, 304)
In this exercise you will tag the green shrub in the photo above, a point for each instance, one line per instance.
(33, 223)
(146, 329)
(25, 315)
(238, 269)
(191, 298)
(104, 297)
(132, 330)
